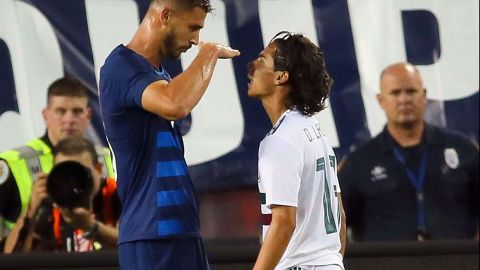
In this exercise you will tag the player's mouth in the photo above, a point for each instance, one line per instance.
(184, 49)
(250, 79)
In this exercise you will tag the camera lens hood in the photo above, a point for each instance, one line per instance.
(70, 184)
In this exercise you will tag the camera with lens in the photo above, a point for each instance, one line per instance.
(70, 185)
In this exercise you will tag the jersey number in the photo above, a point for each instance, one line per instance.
(329, 221)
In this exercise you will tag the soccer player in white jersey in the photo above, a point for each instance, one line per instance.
(304, 223)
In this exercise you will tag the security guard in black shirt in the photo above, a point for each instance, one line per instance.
(414, 181)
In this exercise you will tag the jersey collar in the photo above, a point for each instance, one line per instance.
(279, 122)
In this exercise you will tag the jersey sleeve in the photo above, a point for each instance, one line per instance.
(139, 82)
(122, 82)
(280, 169)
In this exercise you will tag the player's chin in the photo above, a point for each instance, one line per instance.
(180, 51)
(251, 92)
(174, 55)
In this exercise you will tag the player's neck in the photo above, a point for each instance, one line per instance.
(275, 103)
(274, 109)
(143, 49)
(145, 43)
(407, 136)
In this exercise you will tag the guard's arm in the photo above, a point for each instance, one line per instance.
(176, 99)
(278, 236)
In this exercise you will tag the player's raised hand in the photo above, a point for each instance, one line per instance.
(227, 52)
(224, 52)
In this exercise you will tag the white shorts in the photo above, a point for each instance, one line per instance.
(317, 267)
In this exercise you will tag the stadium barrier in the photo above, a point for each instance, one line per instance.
(239, 255)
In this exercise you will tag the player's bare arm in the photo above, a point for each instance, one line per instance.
(343, 225)
(278, 236)
(176, 99)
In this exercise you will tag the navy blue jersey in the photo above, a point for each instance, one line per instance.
(153, 182)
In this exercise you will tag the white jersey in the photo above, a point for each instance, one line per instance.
(297, 167)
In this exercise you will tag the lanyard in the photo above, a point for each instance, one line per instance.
(417, 179)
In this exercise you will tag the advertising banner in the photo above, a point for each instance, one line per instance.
(42, 40)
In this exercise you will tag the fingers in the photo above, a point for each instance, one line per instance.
(227, 52)
(39, 194)
(79, 211)
(224, 52)
(39, 189)
(41, 176)
(40, 183)
(79, 218)
(67, 215)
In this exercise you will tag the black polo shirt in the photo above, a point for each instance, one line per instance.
(381, 202)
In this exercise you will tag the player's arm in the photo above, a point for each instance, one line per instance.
(278, 236)
(176, 99)
(343, 225)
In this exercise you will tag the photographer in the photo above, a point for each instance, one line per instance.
(46, 226)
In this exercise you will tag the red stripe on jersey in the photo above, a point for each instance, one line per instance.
(266, 219)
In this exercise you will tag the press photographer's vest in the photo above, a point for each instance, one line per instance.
(36, 156)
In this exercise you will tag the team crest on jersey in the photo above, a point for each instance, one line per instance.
(451, 158)
(378, 173)
(4, 171)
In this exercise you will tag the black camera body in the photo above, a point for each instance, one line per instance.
(70, 185)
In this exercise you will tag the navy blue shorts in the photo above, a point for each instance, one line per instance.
(163, 254)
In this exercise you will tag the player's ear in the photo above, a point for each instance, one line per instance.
(281, 77)
(166, 15)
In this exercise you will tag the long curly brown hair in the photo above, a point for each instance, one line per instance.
(309, 80)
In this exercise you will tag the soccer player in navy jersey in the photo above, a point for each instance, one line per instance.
(159, 225)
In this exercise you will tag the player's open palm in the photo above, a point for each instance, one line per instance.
(224, 52)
